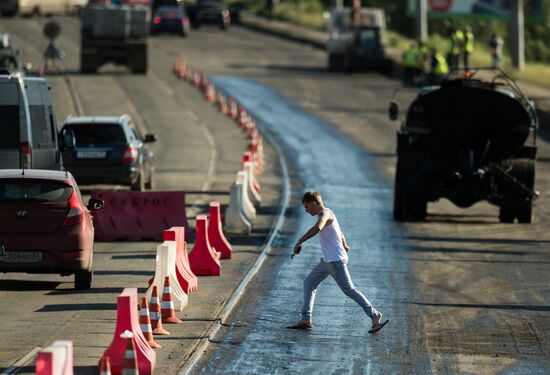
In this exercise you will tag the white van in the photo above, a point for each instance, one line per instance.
(27, 124)
(50, 7)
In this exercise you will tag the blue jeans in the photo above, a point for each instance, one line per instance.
(339, 272)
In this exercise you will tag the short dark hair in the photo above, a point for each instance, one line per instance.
(312, 196)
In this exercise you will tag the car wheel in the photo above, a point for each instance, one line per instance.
(524, 213)
(83, 279)
(139, 183)
(507, 213)
(150, 185)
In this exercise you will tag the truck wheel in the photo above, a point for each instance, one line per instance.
(83, 279)
(524, 170)
(140, 68)
(139, 183)
(416, 209)
(398, 206)
(335, 62)
(506, 213)
(387, 69)
(524, 213)
(87, 64)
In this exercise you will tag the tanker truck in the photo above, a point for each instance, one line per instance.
(467, 140)
(114, 33)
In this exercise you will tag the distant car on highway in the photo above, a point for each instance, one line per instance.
(45, 227)
(210, 12)
(170, 19)
(108, 150)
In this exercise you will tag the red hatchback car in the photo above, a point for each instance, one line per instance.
(44, 225)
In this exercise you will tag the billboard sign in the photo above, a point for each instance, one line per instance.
(477, 8)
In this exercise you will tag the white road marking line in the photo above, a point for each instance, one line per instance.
(16, 367)
(170, 91)
(206, 184)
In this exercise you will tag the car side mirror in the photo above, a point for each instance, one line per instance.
(95, 204)
(149, 138)
(28, 67)
(393, 111)
(68, 139)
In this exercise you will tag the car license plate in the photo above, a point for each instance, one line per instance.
(91, 154)
(21, 257)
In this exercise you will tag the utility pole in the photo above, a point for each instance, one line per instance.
(421, 20)
(518, 36)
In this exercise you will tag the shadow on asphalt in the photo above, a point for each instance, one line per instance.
(25, 370)
(124, 272)
(78, 307)
(480, 240)
(486, 306)
(421, 249)
(268, 210)
(86, 370)
(255, 239)
(92, 290)
(24, 285)
(490, 261)
(136, 256)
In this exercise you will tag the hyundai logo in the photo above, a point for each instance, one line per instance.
(21, 213)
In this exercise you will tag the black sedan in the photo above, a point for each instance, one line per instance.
(210, 12)
(107, 150)
(171, 18)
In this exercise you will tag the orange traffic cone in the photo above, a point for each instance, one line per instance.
(105, 366)
(129, 366)
(233, 111)
(145, 324)
(210, 92)
(222, 104)
(167, 304)
(156, 317)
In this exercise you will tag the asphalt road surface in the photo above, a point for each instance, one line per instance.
(465, 294)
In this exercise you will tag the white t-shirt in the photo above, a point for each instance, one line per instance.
(330, 239)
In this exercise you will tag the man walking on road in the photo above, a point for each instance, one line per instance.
(333, 263)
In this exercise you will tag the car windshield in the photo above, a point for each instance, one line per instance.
(8, 62)
(98, 135)
(342, 20)
(19, 190)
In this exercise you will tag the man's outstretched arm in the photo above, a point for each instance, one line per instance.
(321, 222)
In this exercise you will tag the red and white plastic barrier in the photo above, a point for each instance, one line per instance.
(205, 261)
(56, 359)
(187, 280)
(166, 266)
(247, 205)
(215, 232)
(254, 196)
(235, 220)
(128, 320)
